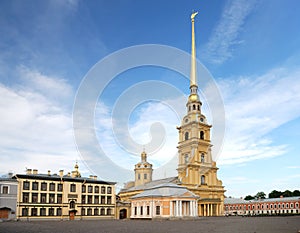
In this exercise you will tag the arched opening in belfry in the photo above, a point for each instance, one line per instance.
(186, 136)
(194, 107)
(201, 135)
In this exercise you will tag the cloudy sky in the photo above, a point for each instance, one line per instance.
(61, 69)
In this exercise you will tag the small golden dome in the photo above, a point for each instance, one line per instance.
(193, 97)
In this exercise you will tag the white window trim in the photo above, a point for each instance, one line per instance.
(8, 189)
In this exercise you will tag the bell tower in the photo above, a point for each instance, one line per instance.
(143, 171)
(196, 169)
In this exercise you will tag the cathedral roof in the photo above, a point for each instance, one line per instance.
(166, 190)
(151, 184)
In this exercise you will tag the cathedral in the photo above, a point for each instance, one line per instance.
(196, 190)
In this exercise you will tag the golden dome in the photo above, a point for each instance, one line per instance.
(193, 97)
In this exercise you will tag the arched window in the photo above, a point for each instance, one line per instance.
(186, 135)
(198, 107)
(201, 135)
(202, 158)
(186, 158)
(202, 179)
(189, 108)
(72, 205)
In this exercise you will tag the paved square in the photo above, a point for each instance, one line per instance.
(212, 224)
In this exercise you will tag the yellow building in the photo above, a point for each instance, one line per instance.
(196, 169)
(58, 196)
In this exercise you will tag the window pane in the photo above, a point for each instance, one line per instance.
(26, 185)
(35, 185)
(60, 187)
(44, 186)
(5, 189)
(34, 198)
(52, 187)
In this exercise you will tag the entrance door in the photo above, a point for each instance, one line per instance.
(71, 215)
(123, 214)
(4, 213)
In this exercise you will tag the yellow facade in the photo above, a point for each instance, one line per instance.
(70, 196)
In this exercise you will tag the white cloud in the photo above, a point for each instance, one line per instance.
(35, 128)
(255, 106)
(225, 35)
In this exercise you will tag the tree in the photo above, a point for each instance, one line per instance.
(260, 195)
(287, 193)
(296, 193)
(275, 194)
(248, 197)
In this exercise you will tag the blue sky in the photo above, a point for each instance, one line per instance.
(251, 48)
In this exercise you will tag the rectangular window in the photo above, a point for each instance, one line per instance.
(59, 187)
(102, 211)
(102, 199)
(51, 212)
(82, 211)
(135, 210)
(83, 188)
(148, 210)
(90, 199)
(52, 187)
(83, 199)
(141, 210)
(145, 176)
(89, 211)
(34, 212)
(96, 211)
(43, 212)
(109, 190)
(58, 212)
(5, 189)
(102, 189)
(108, 212)
(90, 188)
(24, 211)
(44, 186)
(34, 197)
(51, 198)
(73, 188)
(96, 189)
(96, 199)
(109, 200)
(43, 197)
(59, 198)
(26, 185)
(157, 210)
(25, 197)
(35, 185)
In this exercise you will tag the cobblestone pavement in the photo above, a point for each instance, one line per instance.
(211, 224)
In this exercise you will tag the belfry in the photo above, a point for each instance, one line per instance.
(196, 169)
(196, 191)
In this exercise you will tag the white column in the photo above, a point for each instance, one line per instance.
(151, 209)
(211, 209)
(208, 209)
(132, 211)
(180, 208)
(176, 208)
(171, 208)
(196, 208)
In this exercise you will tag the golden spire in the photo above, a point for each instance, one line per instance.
(193, 81)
